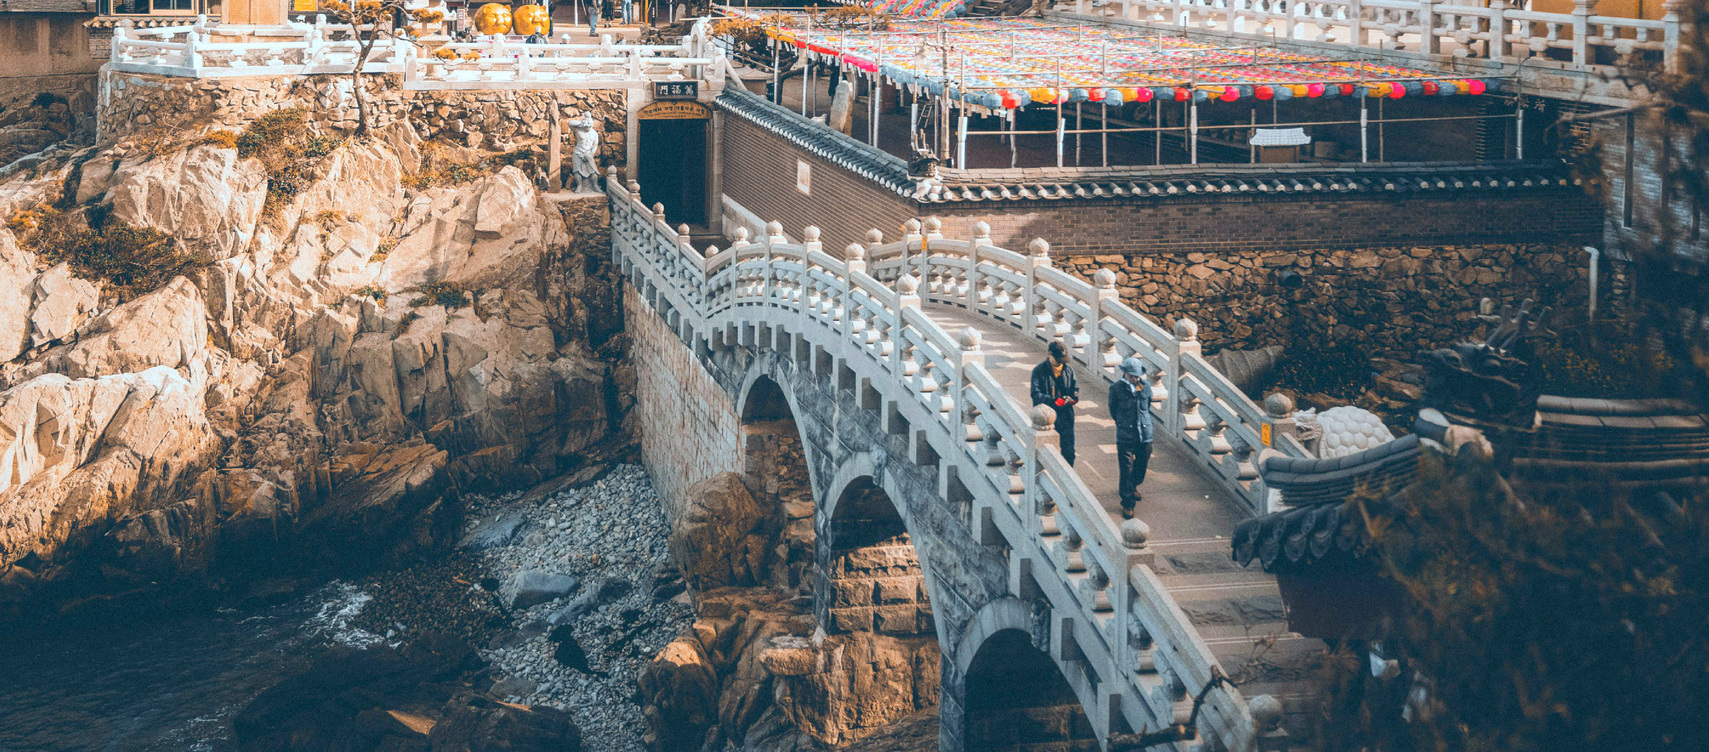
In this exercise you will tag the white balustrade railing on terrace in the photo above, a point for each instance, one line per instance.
(1140, 652)
(1495, 30)
(192, 51)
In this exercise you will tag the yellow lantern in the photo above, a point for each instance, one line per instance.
(493, 18)
(532, 19)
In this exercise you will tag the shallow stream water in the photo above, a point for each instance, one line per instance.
(168, 683)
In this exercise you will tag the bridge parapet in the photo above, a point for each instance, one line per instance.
(1126, 647)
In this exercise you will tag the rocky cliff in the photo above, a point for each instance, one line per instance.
(238, 352)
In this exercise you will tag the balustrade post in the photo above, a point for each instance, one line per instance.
(809, 244)
(1356, 23)
(773, 239)
(854, 262)
(1498, 30)
(1104, 296)
(934, 232)
(1044, 435)
(1581, 32)
(981, 237)
(970, 354)
(1039, 256)
(1135, 537)
(907, 296)
(1186, 343)
(121, 33)
(910, 238)
(1670, 35)
(1427, 19)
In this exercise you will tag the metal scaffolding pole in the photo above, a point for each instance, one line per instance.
(1079, 125)
(1364, 129)
(1193, 130)
(961, 142)
(1519, 130)
(1157, 136)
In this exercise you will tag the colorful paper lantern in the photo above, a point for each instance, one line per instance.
(1139, 95)
(1430, 87)
(1229, 94)
(1314, 90)
(1264, 92)
(493, 18)
(1182, 94)
(532, 19)
(1476, 86)
(1396, 91)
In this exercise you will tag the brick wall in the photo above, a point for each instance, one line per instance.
(689, 427)
(1643, 211)
(760, 172)
(760, 169)
(33, 45)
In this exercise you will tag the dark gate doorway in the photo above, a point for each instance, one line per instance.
(672, 167)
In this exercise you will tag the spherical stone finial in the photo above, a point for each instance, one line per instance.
(611, 171)
(1043, 417)
(933, 224)
(634, 186)
(907, 284)
(742, 235)
(682, 229)
(1039, 247)
(1186, 329)
(970, 339)
(874, 236)
(659, 209)
(1278, 405)
(711, 251)
(1135, 533)
(1104, 279)
(810, 234)
(912, 226)
(982, 229)
(774, 229)
(855, 252)
(1266, 712)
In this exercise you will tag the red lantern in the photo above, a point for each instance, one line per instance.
(1397, 90)
(1141, 94)
(1430, 87)
(1477, 87)
(1264, 92)
(1346, 90)
(1094, 94)
(1182, 94)
(1010, 101)
(1314, 90)
(1229, 93)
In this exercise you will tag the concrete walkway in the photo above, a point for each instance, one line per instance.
(1237, 611)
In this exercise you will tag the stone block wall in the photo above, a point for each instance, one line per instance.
(1390, 301)
(879, 589)
(690, 430)
(134, 104)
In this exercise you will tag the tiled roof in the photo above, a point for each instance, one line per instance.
(833, 146)
(1280, 137)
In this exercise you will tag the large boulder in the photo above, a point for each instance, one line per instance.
(76, 454)
(485, 725)
(386, 502)
(533, 587)
(204, 196)
(167, 327)
(713, 539)
(680, 687)
(62, 301)
(17, 272)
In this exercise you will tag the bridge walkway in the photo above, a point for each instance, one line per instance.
(1237, 611)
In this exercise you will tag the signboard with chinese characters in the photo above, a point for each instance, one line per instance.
(676, 89)
(675, 111)
(303, 6)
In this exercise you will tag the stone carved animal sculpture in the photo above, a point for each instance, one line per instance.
(1492, 380)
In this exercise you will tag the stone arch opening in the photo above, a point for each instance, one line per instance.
(1017, 699)
(775, 471)
(874, 581)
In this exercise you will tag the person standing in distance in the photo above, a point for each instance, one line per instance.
(1130, 407)
(1053, 385)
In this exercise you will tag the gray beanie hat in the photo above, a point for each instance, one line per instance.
(1133, 366)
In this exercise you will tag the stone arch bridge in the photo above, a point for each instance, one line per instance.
(942, 505)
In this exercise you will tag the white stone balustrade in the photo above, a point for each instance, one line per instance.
(1128, 649)
(1495, 30)
(199, 50)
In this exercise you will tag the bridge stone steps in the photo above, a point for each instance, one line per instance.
(1233, 608)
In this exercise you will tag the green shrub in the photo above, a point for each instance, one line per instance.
(128, 261)
(451, 295)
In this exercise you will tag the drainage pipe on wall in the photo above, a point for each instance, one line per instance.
(1595, 256)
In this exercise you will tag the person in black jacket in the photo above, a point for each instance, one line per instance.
(1130, 408)
(1053, 385)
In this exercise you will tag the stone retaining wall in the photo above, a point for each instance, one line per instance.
(1390, 301)
(690, 430)
(136, 104)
